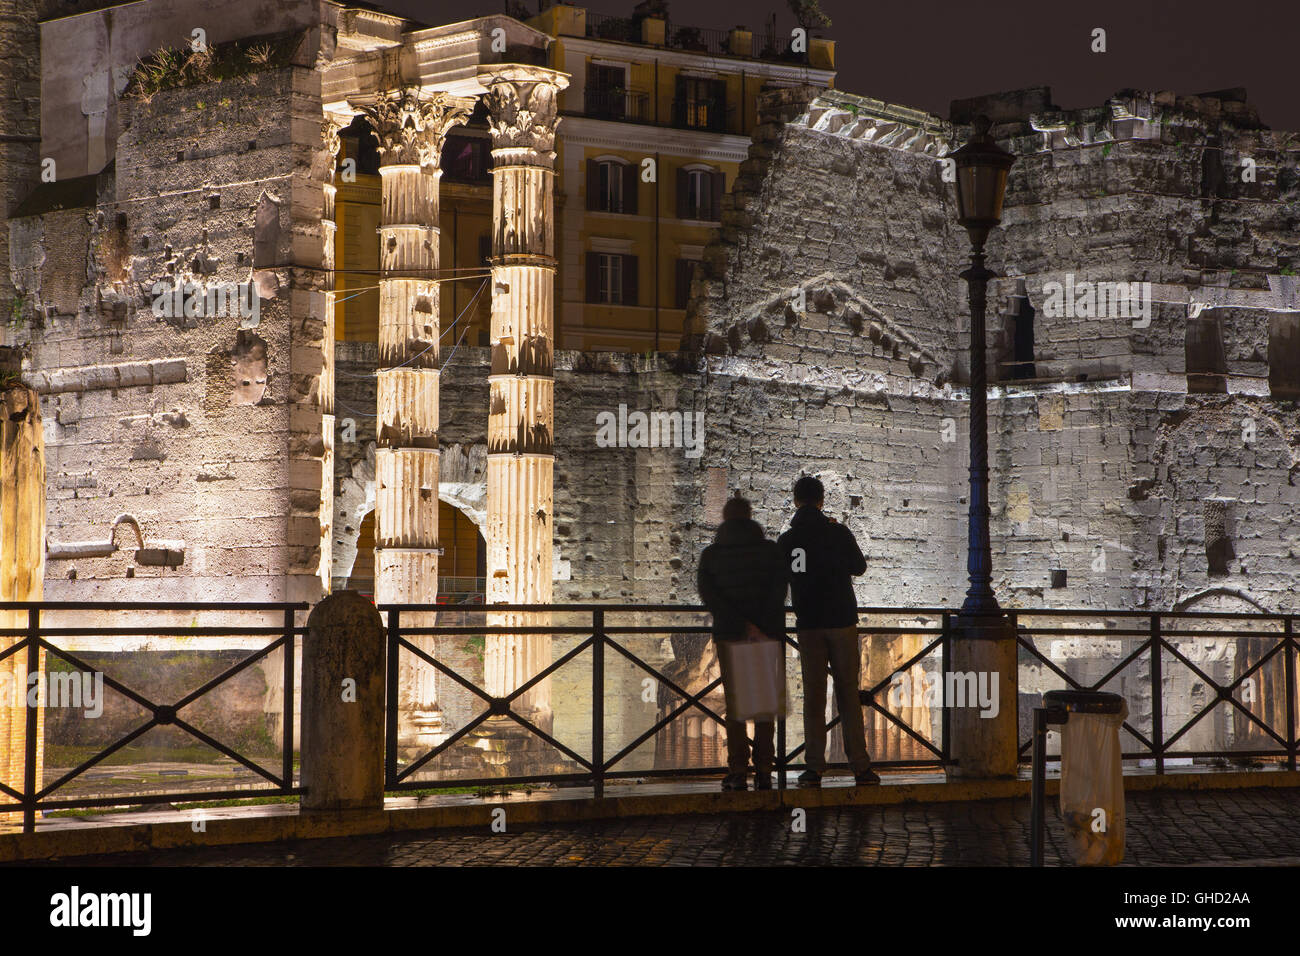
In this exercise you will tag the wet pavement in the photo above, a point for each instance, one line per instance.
(1171, 828)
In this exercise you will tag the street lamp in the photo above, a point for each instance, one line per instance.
(982, 168)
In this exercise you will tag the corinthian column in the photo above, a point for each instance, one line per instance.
(329, 228)
(521, 101)
(410, 130)
(22, 573)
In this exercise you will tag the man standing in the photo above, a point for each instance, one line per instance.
(742, 581)
(823, 558)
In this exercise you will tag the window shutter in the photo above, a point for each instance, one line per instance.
(685, 272)
(593, 185)
(683, 183)
(631, 181)
(593, 277)
(629, 280)
(717, 183)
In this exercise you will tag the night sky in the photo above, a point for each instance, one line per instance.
(925, 54)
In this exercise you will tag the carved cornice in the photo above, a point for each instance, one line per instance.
(523, 108)
(874, 121)
(409, 128)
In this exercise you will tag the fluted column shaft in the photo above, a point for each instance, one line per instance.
(329, 231)
(410, 129)
(522, 105)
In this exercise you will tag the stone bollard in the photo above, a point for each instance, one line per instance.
(984, 743)
(343, 722)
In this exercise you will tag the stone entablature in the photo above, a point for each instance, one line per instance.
(875, 121)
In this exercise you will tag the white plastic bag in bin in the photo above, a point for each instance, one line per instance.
(757, 679)
(1092, 787)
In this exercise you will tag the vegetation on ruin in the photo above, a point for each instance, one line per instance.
(20, 312)
(169, 68)
(808, 14)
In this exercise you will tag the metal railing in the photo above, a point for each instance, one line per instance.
(39, 636)
(606, 641)
(933, 632)
(630, 105)
(709, 40)
(1147, 638)
(699, 39)
(604, 26)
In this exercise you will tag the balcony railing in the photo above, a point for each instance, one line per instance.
(602, 26)
(630, 105)
(715, 42)
(699, 40)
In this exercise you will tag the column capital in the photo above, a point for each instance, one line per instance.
(411, 127)
(523, 110)
(331, 143)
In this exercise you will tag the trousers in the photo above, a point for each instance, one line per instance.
(838, 647)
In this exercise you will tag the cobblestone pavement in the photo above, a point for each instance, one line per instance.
(1171, 829)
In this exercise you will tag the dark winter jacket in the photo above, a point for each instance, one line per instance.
(742, 579)
(821, 574)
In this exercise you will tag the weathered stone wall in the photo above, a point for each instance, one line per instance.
(841, 210)
(20, 129)
(1078, 461)
(204, 430)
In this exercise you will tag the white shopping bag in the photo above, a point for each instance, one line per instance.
(757, 672)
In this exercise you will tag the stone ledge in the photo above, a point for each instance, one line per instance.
(292, 824)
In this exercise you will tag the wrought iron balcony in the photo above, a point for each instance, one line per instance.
(630, 105)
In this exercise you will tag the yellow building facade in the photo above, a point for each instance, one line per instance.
(655, 124)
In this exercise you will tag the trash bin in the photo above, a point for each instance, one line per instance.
(1092, 774)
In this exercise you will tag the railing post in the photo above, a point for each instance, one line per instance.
(782, 758)
(1157, 697)
(1037, 805)
(598, 702)
(287, 764)
(32, 719)
(945, 713)
(1289, 662)
(343, 705)
(390, 701)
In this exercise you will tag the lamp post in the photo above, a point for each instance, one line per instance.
(984, 737)
(982, 168)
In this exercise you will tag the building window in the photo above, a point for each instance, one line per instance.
(611, 186)
(611, 278)
(607, 96)
(700, 104)
(610, 193)
(699, 194)
(610, 289)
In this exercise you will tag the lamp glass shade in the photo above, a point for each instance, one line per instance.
(982, 167)
(980, 191)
